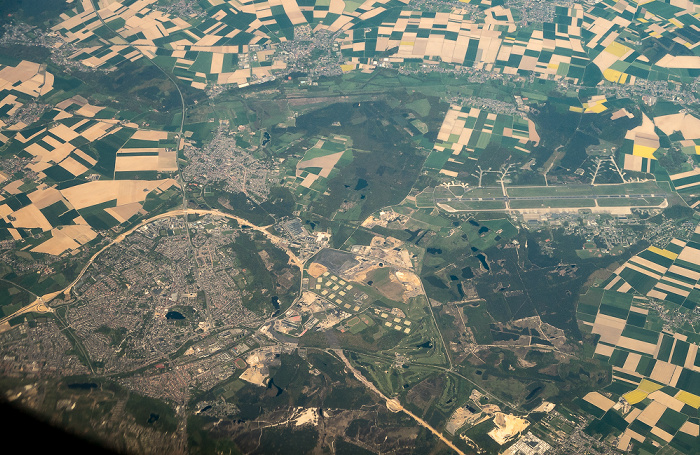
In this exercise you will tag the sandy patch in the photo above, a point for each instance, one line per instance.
(691, 428)
(124, 191)
(30, 217)
(532, 132)
(122, 213)
(663, 372)
(254, 376)
(13, 187)
(408, 277)
(307, 416)
(621, 113)
(126, 163)
(97, 130)
(147, 135)
(604, 349)
(690, 254)
(326, 163)
(507, 427)
(74, 167)
(89, 110)
(667, 400)
(316, 270)
(599, 401)
(636, 345)
(66, 238)
(687, 124)
(90, 160)
(45, 197)
(65, 133)
(652, 413)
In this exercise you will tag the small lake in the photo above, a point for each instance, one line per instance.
(482, 258)
(176, 315)
(361, 184)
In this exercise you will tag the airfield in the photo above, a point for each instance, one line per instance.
(615, 198)
(391, 252)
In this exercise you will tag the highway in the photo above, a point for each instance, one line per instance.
(393, 404)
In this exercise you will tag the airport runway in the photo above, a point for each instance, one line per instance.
(541, 198)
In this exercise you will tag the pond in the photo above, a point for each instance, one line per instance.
(467, 273)
(176, 315)
(361, 183)
(271, 385)
(482, 258)
(82, 385)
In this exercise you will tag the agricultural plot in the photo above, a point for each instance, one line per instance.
(72, 216)
(494, 45)
(686, 181)
(641, 143)
(229, 44)
(71, 147)
(147, 151)
(669, 274)
(74, 157)
(20, 84)
(595, 105)
(320, 163)
(467, 131)
(655, 373)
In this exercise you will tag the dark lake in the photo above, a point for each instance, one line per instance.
(82, 385)
(361, 183)
(174, 315)
(482, 258)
